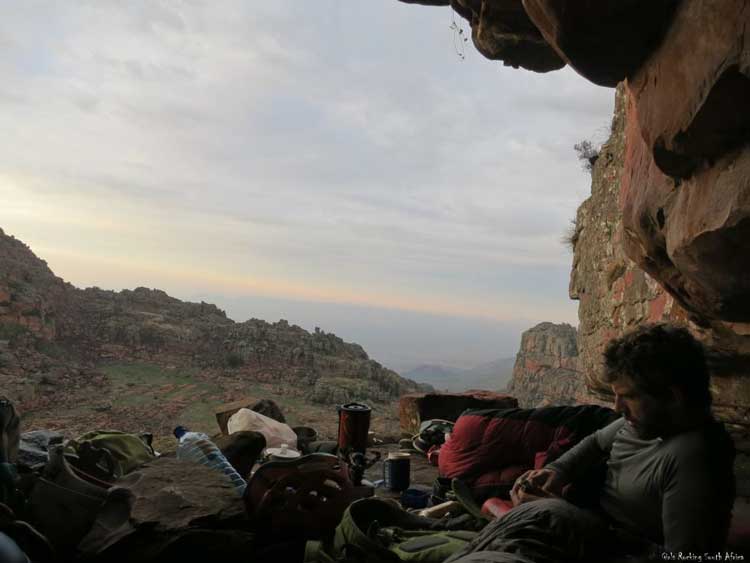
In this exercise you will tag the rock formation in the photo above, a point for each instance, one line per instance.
(501, 30)
(31, 296)
(686, 185)
(666, 232)
(416, 408)
(614, 294)
(604, 41)
(546, 370)
(53, 335)
(686, 195)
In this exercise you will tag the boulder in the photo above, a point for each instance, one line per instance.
(417, 407)
(169, 508)
(604, 40)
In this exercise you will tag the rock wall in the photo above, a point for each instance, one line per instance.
(681, 183)
(666, 233)
(614, 294)
(546, 370)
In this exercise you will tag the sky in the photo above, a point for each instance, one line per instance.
(335, 163)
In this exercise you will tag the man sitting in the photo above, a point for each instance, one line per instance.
(669, 483)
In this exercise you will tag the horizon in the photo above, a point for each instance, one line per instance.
(358, 177)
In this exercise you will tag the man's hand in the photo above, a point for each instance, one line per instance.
(537, 484)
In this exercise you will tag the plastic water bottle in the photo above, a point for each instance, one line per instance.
(196, 446)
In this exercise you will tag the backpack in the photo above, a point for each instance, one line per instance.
(375, 531)
(119, 452)
(300, 498)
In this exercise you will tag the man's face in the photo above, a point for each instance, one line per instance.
(648, 415)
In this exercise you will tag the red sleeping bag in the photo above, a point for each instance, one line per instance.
(490, 448)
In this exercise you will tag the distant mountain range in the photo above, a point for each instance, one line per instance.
(492, 376)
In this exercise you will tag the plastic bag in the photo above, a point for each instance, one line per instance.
(276, 433)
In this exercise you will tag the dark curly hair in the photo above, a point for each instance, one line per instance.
(657, 357)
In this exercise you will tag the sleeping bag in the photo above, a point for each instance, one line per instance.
(490, 448)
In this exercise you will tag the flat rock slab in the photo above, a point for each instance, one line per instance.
(165, 498)
(418, 407)
(171, 494)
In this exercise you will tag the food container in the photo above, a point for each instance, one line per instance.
(284, 453)
(397, 471)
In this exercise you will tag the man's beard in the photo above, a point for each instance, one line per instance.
(650, 428)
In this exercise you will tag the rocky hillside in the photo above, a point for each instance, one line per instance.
(546, 369)
(32, 298)
(56, 339)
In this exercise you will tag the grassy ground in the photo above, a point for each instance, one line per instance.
(142, 397)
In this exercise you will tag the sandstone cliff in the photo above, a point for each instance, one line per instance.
(614, 294)
(666, 232)
(546, 370)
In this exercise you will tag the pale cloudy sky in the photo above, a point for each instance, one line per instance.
(334, 163)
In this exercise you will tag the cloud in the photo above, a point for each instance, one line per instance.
(315, 148)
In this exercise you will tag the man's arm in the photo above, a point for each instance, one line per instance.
(586, 453)
(551, 480)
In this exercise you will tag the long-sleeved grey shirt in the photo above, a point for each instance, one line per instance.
(672, 491)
